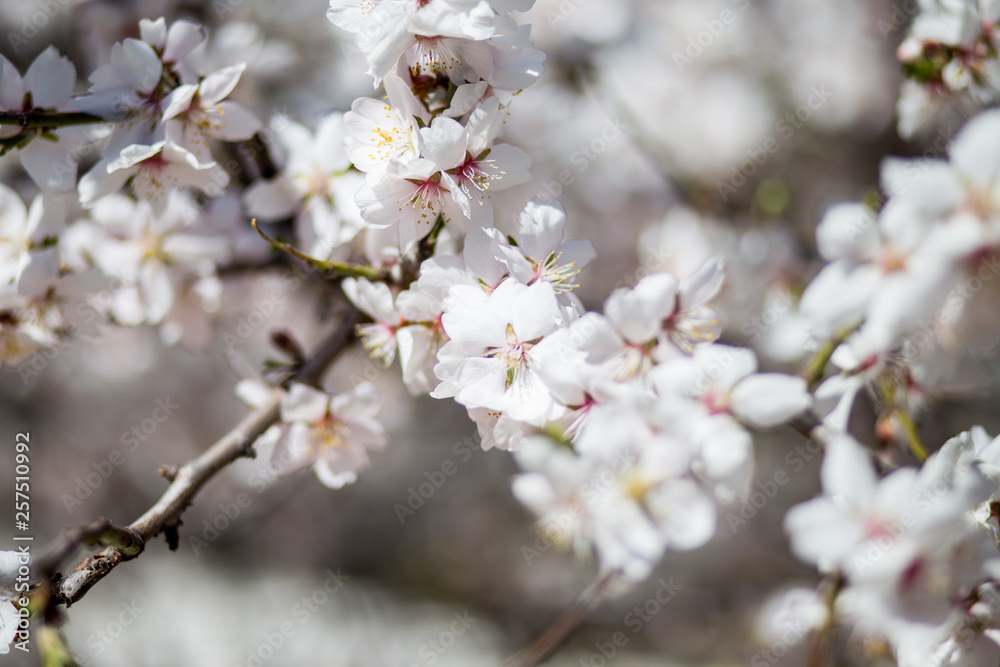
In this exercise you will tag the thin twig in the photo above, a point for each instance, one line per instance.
(192, 476)
(556, 635)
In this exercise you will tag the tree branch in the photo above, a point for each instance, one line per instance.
(556, 634)
(189, 478)
(43, 119)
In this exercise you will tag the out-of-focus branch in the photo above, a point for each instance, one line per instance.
(188, 479)
(45, 119)
(556, 634)
(812, 427)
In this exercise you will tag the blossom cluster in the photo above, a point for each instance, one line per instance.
(632, 425)
(950, 58)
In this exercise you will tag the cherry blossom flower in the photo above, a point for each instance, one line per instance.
(47, 85)
(315, 185)
(196, 113)
(156, 170)
(495, 344)
(333, 434)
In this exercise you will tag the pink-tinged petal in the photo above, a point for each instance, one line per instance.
(157, 290)
(368, 434)
(848, 231)
(725, 446)
(216, 86)
(506, 166)
(416, 357)
(179, 100)
(11, 86)
(474, 22)
(848, 472)
(233, 122)
(466, 98)
(483, 383)
(535, 312)
(971, 151)
(722, 366)
(638, 313)
(336, 468)
(330, 136)
(374, 299)
(443, 142)
(182, 38)
(134, 65)
(272, 200)
(765, 400)
(685, 515)
(51, 79)
(134, 154)
(255, 392)
(821, 533)
(578, 252)
(9, 618)
(100, 182)
(50, 165)
(304, 404)
(476, 328)
(39, 273)
(528, 399)
(360, 404)
(702, 285)
(517, 264)
(153, 32)
(294, 449)
(541, 227)
(480, 254)
(484, 125)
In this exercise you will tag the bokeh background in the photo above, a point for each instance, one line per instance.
(660, 117)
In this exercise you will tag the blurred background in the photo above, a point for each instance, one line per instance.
(671, 130)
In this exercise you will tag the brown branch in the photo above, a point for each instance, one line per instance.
(40, 118)
(556, 634)
(809, 426)
(189, 478)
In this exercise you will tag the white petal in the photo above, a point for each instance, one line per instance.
(848, 472)
(702, 285)
(770, 399)
(304, 404)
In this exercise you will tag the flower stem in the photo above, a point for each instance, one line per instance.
(814, 370)
(336, 268)
(910, 428)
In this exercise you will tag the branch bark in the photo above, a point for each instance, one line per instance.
(47, 119)
(189, 478)
(556, 634)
